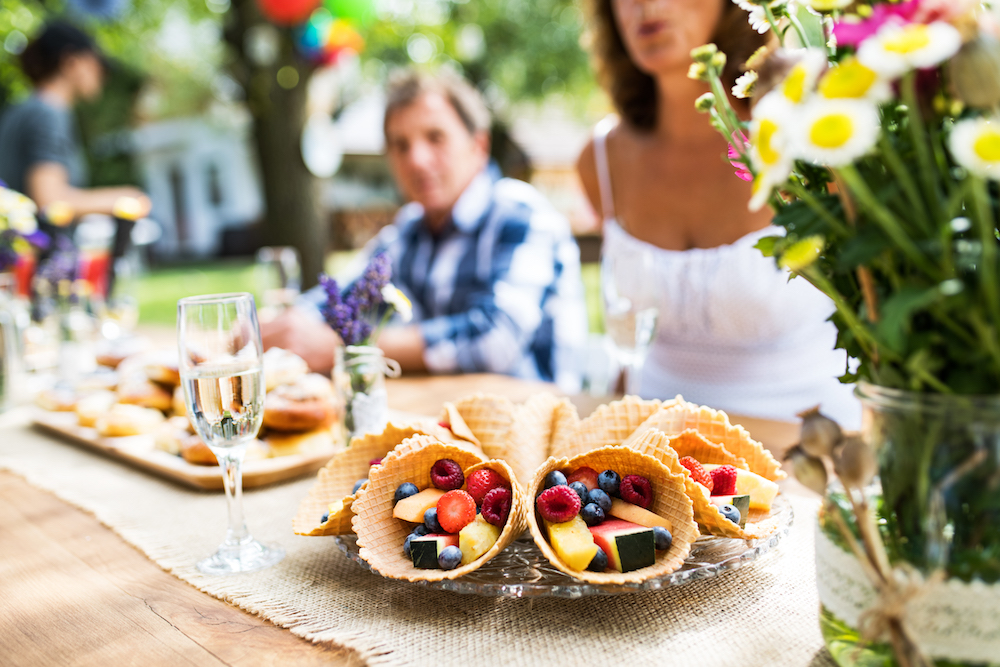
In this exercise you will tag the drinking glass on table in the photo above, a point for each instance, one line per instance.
(223, 378)
(628, 290)
(278, 277)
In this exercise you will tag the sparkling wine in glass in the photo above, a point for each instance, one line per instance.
(630, 311)
(223, 378)
(278, 275)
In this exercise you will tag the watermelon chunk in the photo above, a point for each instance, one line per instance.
(628, 545)
(425, 550)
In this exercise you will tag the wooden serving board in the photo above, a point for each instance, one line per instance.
(140, 451)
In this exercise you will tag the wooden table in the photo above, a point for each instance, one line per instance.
(74, 593)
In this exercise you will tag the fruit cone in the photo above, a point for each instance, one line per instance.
(609, 425)
(759, 524)
(336, 479)
(565, 423)
(529, 436)
(489, 418)
(381, 536)
(694, 444)
(669, 501)
(459, 429)
(715, 427)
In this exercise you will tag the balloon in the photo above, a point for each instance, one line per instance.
(357, 12)
(322, 39)
(287, 12)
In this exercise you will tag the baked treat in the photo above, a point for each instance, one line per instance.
(309, 442)
(195, 451)
(162, 367)
(137, 390)
(306, 405)
(179, 405)
(57, 399)
(171, 434)
(92, 406)
(282, 367)
(125, 420)
(112, 353)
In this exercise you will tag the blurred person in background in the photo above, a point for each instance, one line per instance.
(490, 266)
(733, 331)
(39, 152)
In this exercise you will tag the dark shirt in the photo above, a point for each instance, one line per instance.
(34, 132)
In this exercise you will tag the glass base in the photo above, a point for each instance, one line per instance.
(247, 557)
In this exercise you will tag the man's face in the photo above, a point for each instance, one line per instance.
(432, 154)
(86, 74)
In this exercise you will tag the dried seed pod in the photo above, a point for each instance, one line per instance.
(975, 73)
(855, 463)
(820, 434)
(808, 470)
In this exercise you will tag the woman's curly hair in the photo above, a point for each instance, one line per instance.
(632, 91)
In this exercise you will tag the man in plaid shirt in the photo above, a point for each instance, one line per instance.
(490, 266)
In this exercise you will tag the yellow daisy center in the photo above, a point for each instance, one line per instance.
(987, 146)
(910, 39)
(832, 130)
(849, 79)
(764, 141)
(794, 86)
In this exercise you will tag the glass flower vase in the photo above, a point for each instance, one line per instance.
(936, 505)
(359, 377)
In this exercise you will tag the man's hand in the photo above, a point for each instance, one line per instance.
(295, 331)
(405, 345)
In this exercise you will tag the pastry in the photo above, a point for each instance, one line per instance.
(171, 434)
(125, 420)
(308, 442)
(178, 404)
(282, 367)
(92, 406)
(195, 451)
(162, 367)
(305, 405)
(137, 390)
(58, 399)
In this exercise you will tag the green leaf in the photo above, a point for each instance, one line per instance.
(766, 245)
(897, 312)
(812, 26)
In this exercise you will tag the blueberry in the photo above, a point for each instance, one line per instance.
(406, 545)
(449, 558)
(405, 490)
(555, 478)
(357, 485)
(600, 498)
(731, 513)
(420, 530)
(609, 481)
(592, 514)
(599, 563)
(326, 517)
(581, 490)
(431, 521)
(662, 538)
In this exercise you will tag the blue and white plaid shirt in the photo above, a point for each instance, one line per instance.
(498, 290)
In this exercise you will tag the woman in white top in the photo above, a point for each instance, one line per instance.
(733, 332)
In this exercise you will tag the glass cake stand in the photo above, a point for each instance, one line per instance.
(521, 571)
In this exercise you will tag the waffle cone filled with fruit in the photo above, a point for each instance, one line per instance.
(327, 508)
(611, 516)
(608, 425)
(434, 511)
(716, 488)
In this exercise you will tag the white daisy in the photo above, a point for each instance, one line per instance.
(769, 130)
(852, 80)
(12, 200)
(744, 85)
(834, 133)
(801, 79)
(895, 49)
(395, 298)
(975, 144)
(22, 221)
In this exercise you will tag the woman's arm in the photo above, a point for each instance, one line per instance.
(586, 168)
(48, 182)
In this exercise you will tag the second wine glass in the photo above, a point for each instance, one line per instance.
(630, 311)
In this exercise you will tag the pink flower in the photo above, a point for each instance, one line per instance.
(734, 158)
(849, 33)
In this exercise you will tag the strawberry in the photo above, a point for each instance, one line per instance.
(455, 510)
(496, 506)
(482, 481)
(723, 481)
(447, 475)
(698, 473)
(636, 490)
(375, 462)
(587, 476)
(558, 504)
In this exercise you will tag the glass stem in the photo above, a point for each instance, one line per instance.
(231, 462)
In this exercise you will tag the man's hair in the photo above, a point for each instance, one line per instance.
(406, 85)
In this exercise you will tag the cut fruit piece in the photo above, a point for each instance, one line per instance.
(629, 512)
(741, 503)
(585, 475)
(476, 539)
(572, 542)
(413, 508)
(425, 550)
(761, 490)
(628, 545)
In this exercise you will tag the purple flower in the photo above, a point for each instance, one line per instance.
(61, 264)
(368, 289)
(8, 256)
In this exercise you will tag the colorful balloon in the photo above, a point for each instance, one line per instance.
(323, 38)
(356, 12)
(287, 12)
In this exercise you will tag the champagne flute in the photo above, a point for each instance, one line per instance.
(223, 378)
(630, 312)
(278, 275)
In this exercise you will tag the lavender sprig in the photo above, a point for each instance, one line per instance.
(352, 314)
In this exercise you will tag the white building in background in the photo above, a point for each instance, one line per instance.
(202, 178)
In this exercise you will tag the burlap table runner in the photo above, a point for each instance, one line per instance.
(764, 614)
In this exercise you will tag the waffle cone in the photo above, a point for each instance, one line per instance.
(565, 423)
(335, 480)
(670, 501)
(714, 425)
(694, 444)
(529, 436)
(381, 536)
(657, 444)
(459, 429)
(609, 425)
(489, 418)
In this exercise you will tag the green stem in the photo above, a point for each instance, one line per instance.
(725, 109)
(886, 220)
(774, 24)
(810, 200)
(953, 326)
(906, 182)
(987, 230)
(799, 30)
(987, 338)
(864, 337)
(918, 134)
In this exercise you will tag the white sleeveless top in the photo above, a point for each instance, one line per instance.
(733, 332)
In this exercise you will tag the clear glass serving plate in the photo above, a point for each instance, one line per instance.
(521, 571)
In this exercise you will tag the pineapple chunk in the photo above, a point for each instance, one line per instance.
(573, 542)
(412, 509)
(477, 538)
(761, 490)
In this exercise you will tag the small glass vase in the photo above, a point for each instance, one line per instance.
(359, 374)
(936, 503)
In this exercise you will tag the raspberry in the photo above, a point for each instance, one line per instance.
(447, 475)
(445, 425)
(496, 505)
(636, 490)
(558, 504)
(375, 462)
(723, 481)
(455, 511)
(698, 473)
(482, 481)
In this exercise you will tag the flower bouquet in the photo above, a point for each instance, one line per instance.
(358, 315)
(874, 135)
